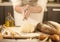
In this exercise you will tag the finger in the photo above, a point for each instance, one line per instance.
(27, 13)
(26, 16)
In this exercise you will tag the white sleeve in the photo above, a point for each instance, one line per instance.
(16, 2)
(42, 3)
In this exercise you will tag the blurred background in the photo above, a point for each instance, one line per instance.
(52, 12)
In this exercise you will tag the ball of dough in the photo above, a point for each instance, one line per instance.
(27, 28)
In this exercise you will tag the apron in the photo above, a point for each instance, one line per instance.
(34, 18)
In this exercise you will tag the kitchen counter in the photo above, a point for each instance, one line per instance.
(53, 5)
(6, 4)
(48, 5)
(18, 40)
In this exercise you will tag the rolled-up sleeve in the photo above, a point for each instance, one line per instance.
(42, 3)
(16, 2)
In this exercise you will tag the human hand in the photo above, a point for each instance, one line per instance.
(26, 12)
(26, 15)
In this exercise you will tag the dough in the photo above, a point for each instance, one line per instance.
(27, 28)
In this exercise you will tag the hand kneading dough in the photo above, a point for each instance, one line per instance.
(27, 28)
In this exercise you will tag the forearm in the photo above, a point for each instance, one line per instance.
(36, 9)
(18, 9)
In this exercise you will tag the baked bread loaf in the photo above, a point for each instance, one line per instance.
(55, 25)
(55, 37)
(46, 28)
(42, 37)
(49, 27)
(1, 37)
